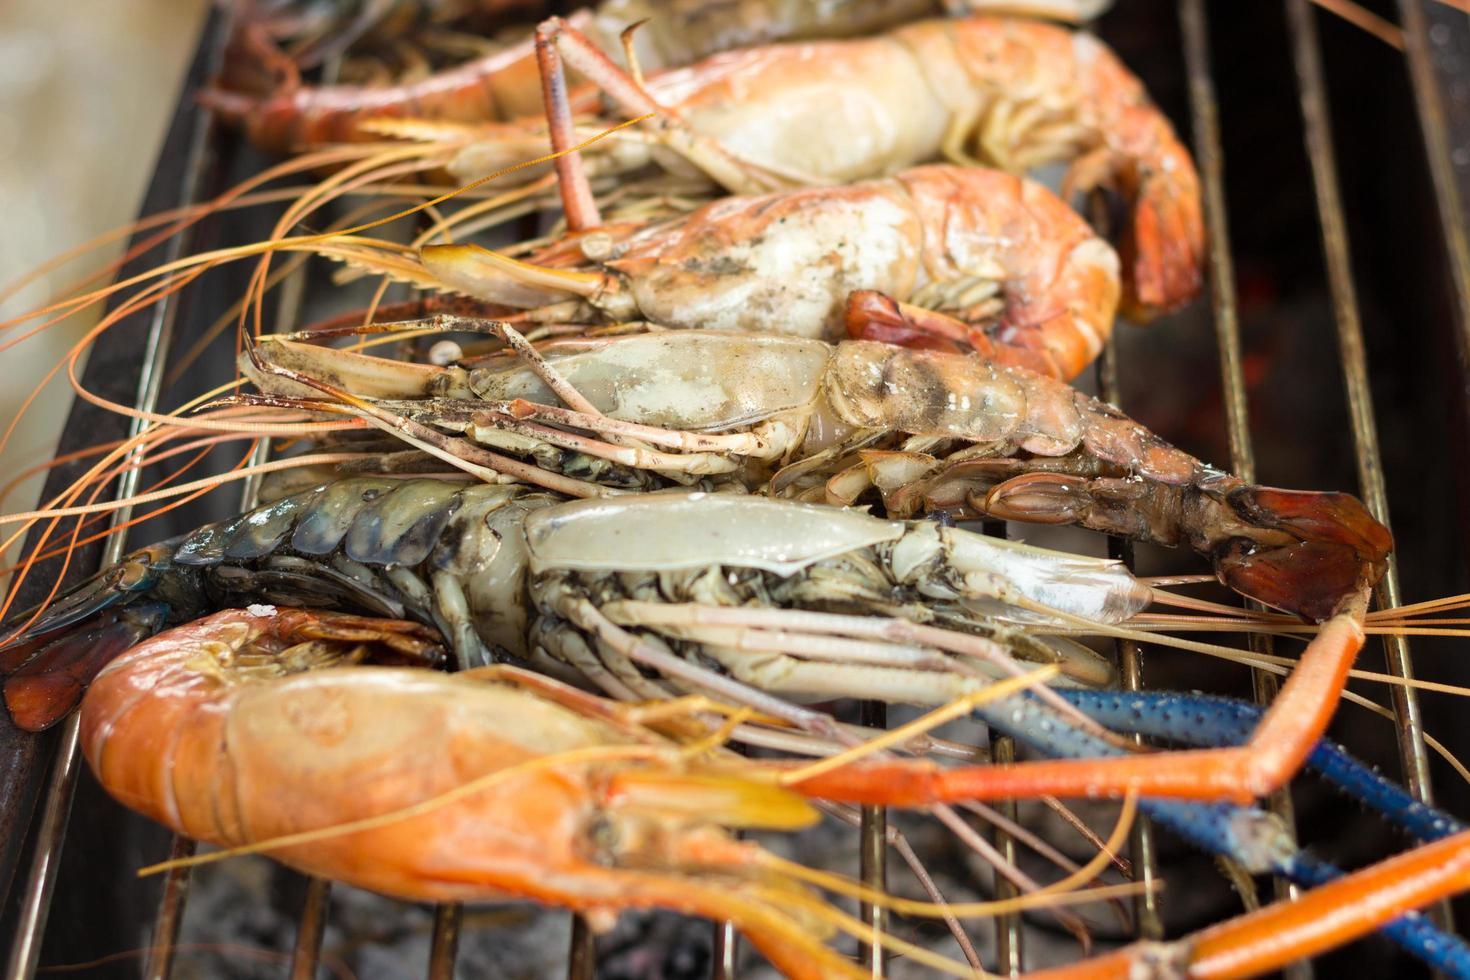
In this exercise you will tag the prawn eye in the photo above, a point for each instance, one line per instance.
(602, 839)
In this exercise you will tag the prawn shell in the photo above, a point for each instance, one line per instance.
(780, 263)
(692, 380)
(691, 530)
(249, 536)
(930, 392)
(1097, 589)
(402, 526)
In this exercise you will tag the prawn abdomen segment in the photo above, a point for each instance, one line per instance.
(765, 104)
(936, 393)
(693, 380)
(777, 263)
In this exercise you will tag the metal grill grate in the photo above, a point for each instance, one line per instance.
(190, 165)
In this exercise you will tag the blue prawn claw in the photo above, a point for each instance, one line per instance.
(1209, 721)
(136, 575)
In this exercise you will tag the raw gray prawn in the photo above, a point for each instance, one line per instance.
(922, 431)
(493, 568)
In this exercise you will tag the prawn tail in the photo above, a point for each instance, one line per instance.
(50, 657)
(1163, 249)
(53, 679)
(1338, 548)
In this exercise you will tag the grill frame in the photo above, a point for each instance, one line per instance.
(38, 777)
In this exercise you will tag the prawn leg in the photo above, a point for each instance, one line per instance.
(1285, 737)
(872, 315)
(1323, 918)
(576, 191)
(560, 40)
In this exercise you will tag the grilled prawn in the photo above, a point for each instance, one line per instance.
(502, 84)
(1009, 93)
(1031, 282)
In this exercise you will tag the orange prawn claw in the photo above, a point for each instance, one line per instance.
(236, 729)
(1265, 763)
(1291, 930)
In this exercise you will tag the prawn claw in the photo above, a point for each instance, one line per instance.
(50, 659)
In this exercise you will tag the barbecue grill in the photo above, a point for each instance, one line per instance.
(1330, 352)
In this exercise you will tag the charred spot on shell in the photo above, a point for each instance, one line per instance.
(441, 385)
(716, 266)
(601, 841)
(1160, 961)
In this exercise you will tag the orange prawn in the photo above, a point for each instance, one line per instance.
(207, 729)
(981, 89)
